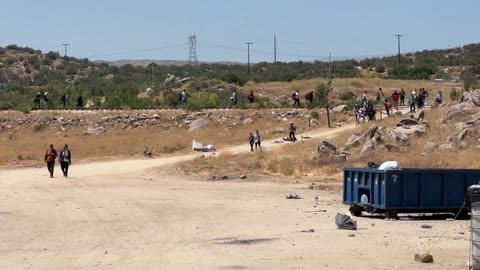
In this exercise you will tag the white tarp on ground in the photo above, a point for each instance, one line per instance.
(196, 146)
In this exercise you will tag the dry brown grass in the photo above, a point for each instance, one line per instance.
(296, 159)
(356, 85)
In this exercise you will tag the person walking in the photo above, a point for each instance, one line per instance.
(233, 98)
(292, 130)
(251, 97)
(380, 95)
(396, 99)
(64, 99)
(50, 157)
(438, 98)
(411, 102)
(79, 102)
(388, 107)
(183, 98)
(65, 160)
(296, 98)
(309, 96)
(258, 140)
(37, 99)
(251, 140)
(402, 97)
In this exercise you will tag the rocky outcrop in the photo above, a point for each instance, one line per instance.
(326, 147)
(459, 110)
(340, 108)
(198, 124)
(473, 96)
(369, 148)
(95, 130)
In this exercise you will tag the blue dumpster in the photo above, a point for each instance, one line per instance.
(406, 190)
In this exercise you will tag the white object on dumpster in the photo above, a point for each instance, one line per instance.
(389, 165)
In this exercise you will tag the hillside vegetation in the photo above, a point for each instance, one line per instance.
(25, 71)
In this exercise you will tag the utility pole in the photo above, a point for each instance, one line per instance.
(398, 39)
(65, 45)
(329, 65)
(248, 61)
(274, 48)
(152, 74)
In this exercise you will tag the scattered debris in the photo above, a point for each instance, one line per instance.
(426, 226)
(423, 257)
(293, 196)
(196, 146)
(345, 222)
(308, 231)
(351, 235)
(243, 177)
(219, 177)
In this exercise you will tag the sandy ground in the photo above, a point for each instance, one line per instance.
(136, 214)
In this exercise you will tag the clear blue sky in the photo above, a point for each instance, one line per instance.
(306, 30)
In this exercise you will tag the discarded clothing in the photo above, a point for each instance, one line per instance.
(345, 222)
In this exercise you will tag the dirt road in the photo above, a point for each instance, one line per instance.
(128, 215)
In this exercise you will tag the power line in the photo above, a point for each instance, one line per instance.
(138, 51)
(248, 61)
(192, 55)
(398, 38)
(65, 44)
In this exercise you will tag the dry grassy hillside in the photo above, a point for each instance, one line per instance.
(25, 137)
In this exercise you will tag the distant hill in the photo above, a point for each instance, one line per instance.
(147, 62)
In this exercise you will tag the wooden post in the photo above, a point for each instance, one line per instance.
(328, 116)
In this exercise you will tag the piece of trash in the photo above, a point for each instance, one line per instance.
(426, 226)
(449, 219)
(293, 196)
(243, 177)
(345, 222)
(308, 231)
(219, 177)
(201, 148)
(351, 235)
(423, 257)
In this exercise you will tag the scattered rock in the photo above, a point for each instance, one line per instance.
(423, 257)
(370, 133)
(445, 147)
(219, 177)
(95, 130)
(243, 177)
(314, 122)
(463, 146)
(198, 124)
(429, 146)
(308, 231)
(369, 148)
(293, 196)
(327, 147)
(473, 96)
(459, 110)
(340, 108)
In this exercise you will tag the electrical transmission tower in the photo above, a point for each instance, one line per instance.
(192, 55)
(65, 45)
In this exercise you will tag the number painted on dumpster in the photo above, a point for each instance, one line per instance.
(394, 178)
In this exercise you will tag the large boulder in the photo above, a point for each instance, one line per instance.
(369, 148)
(473, 96)
(95, 130)
(327, 147)
(354, 141)
(198, 124)
(459, 110)
(370, 133)
(340, 108)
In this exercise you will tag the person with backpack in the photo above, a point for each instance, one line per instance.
(402, 97)
(65, 160)
(251, 140)
(183, 98)
(50, 157)
(296, 98)
(258, 140)
(292, 130)
(36, 100)
(411, 102)
(309, 97)
(233, 98)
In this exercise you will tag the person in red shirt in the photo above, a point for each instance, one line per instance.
(251, 97)
(396, 98)
(388, 107)
(50, 157)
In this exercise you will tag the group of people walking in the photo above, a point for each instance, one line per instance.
(37, 101)
(65, 159)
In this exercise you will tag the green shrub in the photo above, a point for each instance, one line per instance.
(314, 115)
(322, 92)
(454, 95)
(346, 95)
(200, 100)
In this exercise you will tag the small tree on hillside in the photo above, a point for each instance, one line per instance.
(322, 92)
